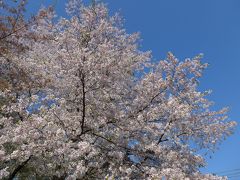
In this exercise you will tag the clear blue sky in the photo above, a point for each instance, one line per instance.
(187, 28)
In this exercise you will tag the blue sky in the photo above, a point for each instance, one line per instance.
(187, 28)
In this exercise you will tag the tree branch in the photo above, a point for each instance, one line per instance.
(83, 102)
(19, 168)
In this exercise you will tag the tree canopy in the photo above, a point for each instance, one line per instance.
(117, 114)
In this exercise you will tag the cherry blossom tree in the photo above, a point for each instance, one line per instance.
(15, 39)
(116, 114)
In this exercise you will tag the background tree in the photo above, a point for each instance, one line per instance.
(117, 114)
(16, 38)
